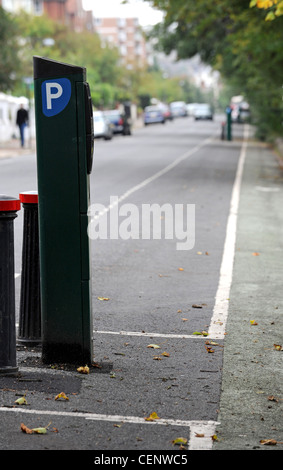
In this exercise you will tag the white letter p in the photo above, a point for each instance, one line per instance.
(52, 96)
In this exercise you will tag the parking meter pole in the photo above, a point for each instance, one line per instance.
(8, 212)
(30, 312)
(229, 123)
(64, 138)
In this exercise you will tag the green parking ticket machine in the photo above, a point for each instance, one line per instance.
(65, 141)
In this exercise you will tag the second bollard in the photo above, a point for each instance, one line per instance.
(30, 311)
(8, 212)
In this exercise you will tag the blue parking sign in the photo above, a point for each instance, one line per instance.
(56, 95)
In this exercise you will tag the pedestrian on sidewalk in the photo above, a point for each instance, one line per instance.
(22, 122)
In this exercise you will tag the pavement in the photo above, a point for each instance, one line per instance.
(250, 410)
(12, 148)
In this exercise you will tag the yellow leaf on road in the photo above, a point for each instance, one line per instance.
(152, 417)
(21, 401)
(180, 441)
(61, 395)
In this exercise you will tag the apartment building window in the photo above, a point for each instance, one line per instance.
(121, 22)
(122, 36)
(123, 50)
(38, 7)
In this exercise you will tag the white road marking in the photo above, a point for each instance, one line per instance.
(221, 306)
(154, 335)
(220, 312)
(156, 175)
(205, 428)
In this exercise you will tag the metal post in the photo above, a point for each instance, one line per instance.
(8, 208)
(229, 123)
(30, 311)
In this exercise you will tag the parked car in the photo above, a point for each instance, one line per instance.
(166, 111)
(203, 111)
(191, 108)
(101, 126)
(153, 114)
(120, 123)
(178, 108)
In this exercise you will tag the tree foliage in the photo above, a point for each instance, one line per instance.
(236, 40)
(110, 81)
(8, 51)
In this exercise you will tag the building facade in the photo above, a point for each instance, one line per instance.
(34, 7)
(69, 12)
(126, 35)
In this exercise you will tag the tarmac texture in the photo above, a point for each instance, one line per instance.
(250, 382)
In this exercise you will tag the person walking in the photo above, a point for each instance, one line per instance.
(22, 121)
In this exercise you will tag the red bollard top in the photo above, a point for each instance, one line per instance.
(8, 203)
(29, 197)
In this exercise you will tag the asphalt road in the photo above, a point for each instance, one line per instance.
(157, 295)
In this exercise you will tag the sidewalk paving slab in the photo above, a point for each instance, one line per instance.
(252, 399)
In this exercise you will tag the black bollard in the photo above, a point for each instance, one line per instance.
(8, 361)
(30, 312)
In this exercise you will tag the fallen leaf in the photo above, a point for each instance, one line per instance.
(40, 430)
(61, 395)
(152, 417)
(255, 253)
(154, 346)
(272, 398)
(213, 343)
(21, 401)
(103, 298)
(180, 441)
(25, 429)
(185, 319)
(253, 322)
(198, 434)
(278, 347)
(181, 269)
(196, 306)
(209, 349)
(83, 370)
(165, 354)
(203, 333)
(157, 358)
(214, 437)
(268, 442)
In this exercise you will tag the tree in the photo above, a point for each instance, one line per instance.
(275, 7)
(234, 39)
(8, 51)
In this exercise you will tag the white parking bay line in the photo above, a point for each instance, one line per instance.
(152, 335)
(201, 432)
(158, 174)
(221, 306)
